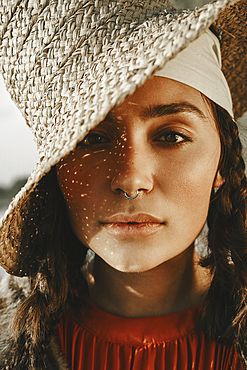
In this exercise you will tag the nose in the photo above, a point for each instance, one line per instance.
(133, 174)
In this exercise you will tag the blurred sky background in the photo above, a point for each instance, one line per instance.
(18, 153)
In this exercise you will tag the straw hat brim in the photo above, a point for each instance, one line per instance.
(103, 64)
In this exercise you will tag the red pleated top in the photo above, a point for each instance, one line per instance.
(92, 339)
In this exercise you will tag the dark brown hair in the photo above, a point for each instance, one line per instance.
(55, 275)
(59, 256)
(226, 304)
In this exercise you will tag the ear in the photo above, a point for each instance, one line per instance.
(218, 181)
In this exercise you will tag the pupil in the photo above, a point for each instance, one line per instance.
(95, 139)
(171, 137)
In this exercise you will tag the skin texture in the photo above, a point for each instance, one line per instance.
(163, 142)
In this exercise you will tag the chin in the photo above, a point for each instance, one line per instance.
(130, 267)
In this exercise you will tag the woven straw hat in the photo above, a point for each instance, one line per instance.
(66, 63)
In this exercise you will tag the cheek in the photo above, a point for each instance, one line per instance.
(76, 185)
(202, 173)
(76, 188)
(70, 181)
(84, 187)
(187, 179)
(86, 176)
(193, 186)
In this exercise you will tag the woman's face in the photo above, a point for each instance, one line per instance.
(161, 141)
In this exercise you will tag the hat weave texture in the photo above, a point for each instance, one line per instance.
(231, 28)
(66, 63)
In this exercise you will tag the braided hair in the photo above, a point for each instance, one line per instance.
(225, 318)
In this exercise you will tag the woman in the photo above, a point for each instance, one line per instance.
(144, 150)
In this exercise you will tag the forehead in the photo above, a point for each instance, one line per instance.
(159, 96)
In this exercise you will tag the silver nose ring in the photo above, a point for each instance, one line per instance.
(129, 198)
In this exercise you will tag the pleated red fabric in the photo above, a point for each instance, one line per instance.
(92, 339)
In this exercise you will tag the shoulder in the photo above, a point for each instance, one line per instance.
(13, 290)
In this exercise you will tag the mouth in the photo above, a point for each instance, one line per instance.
(138, 225)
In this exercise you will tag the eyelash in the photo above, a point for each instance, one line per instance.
(95, 135)
(175, 134)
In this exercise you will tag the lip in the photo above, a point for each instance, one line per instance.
(138, 225)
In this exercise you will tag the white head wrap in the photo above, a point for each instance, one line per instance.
(199, 66)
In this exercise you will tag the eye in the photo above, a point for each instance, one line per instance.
(94, 138)
(172, 137)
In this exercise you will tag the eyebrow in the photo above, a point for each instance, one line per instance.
(155, 111)
(175, 108)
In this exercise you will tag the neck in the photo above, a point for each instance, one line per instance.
(173, 286)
